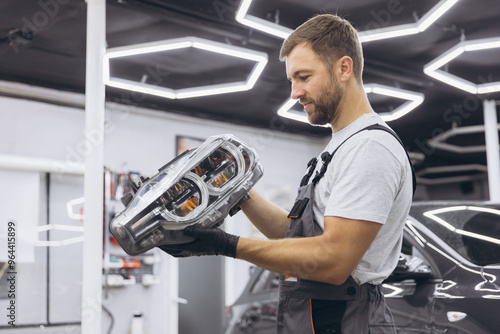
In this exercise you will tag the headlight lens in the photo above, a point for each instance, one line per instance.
(185, 198)
(181, 198)
(220, 168)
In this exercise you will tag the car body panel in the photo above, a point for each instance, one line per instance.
(447, 279)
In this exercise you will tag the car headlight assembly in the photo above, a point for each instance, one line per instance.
(200, 186)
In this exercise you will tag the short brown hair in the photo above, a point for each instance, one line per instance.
(330, 37)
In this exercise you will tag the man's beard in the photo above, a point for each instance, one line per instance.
(326, 106)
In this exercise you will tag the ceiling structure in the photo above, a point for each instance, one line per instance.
(43, 44)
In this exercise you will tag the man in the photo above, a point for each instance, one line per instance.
(344, 233)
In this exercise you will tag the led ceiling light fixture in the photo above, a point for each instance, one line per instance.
(433, 68)
(258, 23)
(365, 36)
(440, 141)
(414, 99)
(285, 110)
(422, 175)
(181, 43)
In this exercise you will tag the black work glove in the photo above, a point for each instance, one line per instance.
(209, 241)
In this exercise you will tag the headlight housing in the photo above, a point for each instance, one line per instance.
(200, 186)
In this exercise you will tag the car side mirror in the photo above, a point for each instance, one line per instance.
(410, 267)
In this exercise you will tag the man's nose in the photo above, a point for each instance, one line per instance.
(297, 91)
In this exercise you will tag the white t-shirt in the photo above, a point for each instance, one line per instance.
(369, 178)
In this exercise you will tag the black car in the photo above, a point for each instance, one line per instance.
(447, 279)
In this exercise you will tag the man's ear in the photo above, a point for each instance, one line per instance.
(345, 69)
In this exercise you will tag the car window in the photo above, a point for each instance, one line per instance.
(267, 281)
(471, 230)
(482, 252)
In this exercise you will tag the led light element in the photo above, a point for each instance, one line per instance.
(260, 58)
(432, 68)
(423, 178)
(435, 13)
(285, 110)
(201, 186)
(389, 32)
(258, 23)
(414, 99)
(365, 36)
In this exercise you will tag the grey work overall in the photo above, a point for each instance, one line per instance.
(308, 307)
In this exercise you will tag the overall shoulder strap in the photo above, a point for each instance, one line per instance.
(388, 130)
(327, 157)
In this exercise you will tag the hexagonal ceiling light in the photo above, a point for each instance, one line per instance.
(414, 99)
(440, 141)
(432, 68)
(422, 179)
(181, 43)
(369, 35)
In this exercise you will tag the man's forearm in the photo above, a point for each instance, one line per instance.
(330, 257)
(270, 219)
(308, 258)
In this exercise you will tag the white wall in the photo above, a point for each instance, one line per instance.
(139, 139)
(144, 140)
